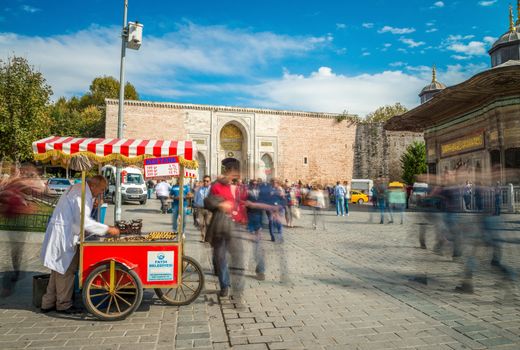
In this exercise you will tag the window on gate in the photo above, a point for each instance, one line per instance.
(512, 158)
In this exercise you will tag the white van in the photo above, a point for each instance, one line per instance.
(133, 187)
(362, 185)
(419, 191)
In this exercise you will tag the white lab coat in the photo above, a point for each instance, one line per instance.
(62, 234)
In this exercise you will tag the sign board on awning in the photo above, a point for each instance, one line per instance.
(165, 167)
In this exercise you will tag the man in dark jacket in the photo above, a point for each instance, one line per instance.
(221, 235)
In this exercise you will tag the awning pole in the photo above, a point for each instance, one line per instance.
(82, 219)
(181, 201)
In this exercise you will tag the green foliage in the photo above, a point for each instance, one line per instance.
(24, 108)
(383, 114)
(345, 116)
(413, 161)
(106, 87)
(85, 116)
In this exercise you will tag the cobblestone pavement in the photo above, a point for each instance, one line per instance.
(348, 287)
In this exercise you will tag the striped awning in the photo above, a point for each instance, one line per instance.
(107, 150)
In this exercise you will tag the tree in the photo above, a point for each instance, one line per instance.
(413, 161)
(106, 87)
(382, 114)
(24, 107)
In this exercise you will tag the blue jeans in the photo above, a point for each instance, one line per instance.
(340, 206)
(233, 246)
(150, 191)
(346, 205)
(381, 205)
(259, 253)
(175, 213)
(220, 258)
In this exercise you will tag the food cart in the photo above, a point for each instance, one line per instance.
(114, 271)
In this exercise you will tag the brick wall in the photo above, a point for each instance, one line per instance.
(326, 143)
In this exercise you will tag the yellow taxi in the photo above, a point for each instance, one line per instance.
(358, 197)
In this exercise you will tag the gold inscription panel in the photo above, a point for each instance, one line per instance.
(462, 145)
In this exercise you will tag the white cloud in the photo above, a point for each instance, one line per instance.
(438, 4)
(398, 64)
(326, 91)
(366, 54)
(411, 43)
(430, 24)
(473, 48)
(487, 3)
(463, 46)
(394, 30)
(432, 30)
(368, 25)
(70, 62)
(30, 9)
(461, 57)
(490, 39)
(341, 26)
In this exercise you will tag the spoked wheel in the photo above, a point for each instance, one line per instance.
(117, 304)
(192, 282)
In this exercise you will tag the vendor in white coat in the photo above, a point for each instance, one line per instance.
(59, 250)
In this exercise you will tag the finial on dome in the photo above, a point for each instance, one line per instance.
(434, 73)
(518, 12)
(512, 27)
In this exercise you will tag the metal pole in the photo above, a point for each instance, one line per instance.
(117, 207)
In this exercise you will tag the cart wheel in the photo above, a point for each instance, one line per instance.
(190, 287)
(117, 305)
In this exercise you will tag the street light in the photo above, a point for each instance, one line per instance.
(132, 36)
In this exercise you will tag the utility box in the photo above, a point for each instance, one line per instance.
(135, 35)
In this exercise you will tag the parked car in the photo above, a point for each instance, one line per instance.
(56, 186)
(358, 197)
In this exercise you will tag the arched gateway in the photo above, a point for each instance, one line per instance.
(233, 149)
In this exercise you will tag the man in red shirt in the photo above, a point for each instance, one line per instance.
(222, 234)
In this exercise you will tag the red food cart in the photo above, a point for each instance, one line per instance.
(114, 272)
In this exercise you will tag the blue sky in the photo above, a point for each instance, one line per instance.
(323, 55)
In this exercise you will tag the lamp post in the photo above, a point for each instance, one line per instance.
(131, 37)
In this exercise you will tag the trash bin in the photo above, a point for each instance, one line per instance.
(40, 283)
(102, 212)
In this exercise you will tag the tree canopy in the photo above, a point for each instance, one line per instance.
(382, 114)
(413, 161)
(85, 116)
(24, 108)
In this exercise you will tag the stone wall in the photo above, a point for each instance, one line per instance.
(378, 152)
(325, 143)
(334, 150)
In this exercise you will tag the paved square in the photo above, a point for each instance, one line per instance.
(349, 287)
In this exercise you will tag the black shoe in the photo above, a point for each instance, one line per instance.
(71, 311)
(223, 292)
(465, 288)
(44, 311)
(260, 276)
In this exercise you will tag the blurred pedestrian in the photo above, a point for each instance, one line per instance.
(347, 196)
(317, 200)
(202, 215)
(221, 235)
(162, 189)
(339, 195)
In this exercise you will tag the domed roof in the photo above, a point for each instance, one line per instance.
(434, 86)
(509, 37)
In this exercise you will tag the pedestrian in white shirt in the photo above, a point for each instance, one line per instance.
(59, 250)
(162, 189)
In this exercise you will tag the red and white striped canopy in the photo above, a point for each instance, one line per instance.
(126, 149)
